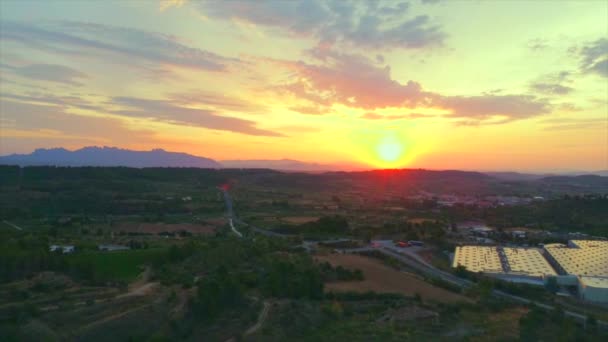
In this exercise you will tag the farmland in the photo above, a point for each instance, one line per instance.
(381, 278)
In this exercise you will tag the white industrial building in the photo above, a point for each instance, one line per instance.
(588, 261)
(524, 265)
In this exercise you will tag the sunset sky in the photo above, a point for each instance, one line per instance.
(476, 85)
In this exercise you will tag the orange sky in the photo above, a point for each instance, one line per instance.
(494, 85)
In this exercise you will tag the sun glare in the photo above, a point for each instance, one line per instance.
(390, 150)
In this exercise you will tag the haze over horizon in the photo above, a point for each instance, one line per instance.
(386, 84)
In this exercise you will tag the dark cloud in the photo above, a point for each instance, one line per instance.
(594, 57)
(166, 111)
(368, 24)
(600, 67)
(49, 72)
(128, 45)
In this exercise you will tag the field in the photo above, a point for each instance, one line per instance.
(299, 219)
(122, 265)
(381, 278)
(155, 228)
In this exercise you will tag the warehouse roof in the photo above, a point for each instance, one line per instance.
(582, 258)
(528, 261)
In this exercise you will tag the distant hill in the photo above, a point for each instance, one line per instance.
(287, 165)
(516, 176)
(108, 156)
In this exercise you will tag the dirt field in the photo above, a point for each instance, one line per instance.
(299, 219)
(381, 278)
(155, 228)
(420, 220)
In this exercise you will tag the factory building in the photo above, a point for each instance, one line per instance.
(522, 265)
(580, 263)
(588, 261)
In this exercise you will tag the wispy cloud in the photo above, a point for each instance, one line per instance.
(376, 116)
(358, 82)
(594, 57)
(49, 72)
(166, 111)
(368, 24)
(132, 46)
(28, 120)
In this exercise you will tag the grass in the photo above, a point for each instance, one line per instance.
(120, 265)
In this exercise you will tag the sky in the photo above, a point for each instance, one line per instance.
(474, 85)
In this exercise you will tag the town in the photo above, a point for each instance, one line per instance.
(119, 248)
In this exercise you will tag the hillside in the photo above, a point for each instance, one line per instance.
(108, 156)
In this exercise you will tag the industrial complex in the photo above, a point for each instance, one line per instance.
(581, 264)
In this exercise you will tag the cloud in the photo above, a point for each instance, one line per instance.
(600, 67)
(594, 57)
(51, 121)
(104, 42)
(166, 4)
(358, 82)
(563, 124)
(537, 44)
(369, 24)
(351, 80)
(376, 116)
(311, 110)
(166, 111)
(553, 84)
(485, 107)
(551, 88)
(49, 72)
(158, 110)
(63, 101)
(219, 101)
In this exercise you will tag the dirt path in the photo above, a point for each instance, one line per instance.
(112, 317)
(261, 318)
(12, 225)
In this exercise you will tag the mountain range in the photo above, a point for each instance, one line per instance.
(108, 156)
(112, 156)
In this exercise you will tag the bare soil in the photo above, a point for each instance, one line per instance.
(381, 278)
(155, 228)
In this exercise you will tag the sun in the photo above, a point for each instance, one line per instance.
(390, 149)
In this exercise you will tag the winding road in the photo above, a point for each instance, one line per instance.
(408, 260)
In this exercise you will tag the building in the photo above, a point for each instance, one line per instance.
(65, 249)
(521, 265)
(581, 263)
(478, 259)
(587, 260)
(112, 248)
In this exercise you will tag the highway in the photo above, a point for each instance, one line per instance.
(409, 259)
(12, 225)
(230, 212)
(428, 269)
(233, 218)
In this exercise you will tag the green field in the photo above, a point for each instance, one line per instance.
(121, 265)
